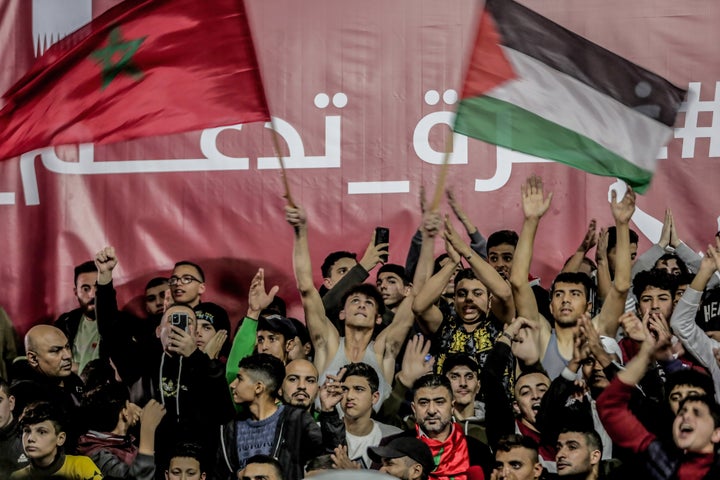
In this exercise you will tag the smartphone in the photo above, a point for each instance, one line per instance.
(382, 235)
(179, 320)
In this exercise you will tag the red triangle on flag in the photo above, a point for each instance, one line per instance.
(488, 66)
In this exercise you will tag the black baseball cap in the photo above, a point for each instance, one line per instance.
(278, 324)
(455, 359)
(411, 447)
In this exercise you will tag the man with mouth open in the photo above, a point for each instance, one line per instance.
(483, 302)
(362, 309)
(695, 430)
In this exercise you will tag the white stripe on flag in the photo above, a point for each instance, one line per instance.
(561, 99)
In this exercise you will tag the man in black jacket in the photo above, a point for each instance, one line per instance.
(12, 456)
(79, 325)
(286, 433)
(47, 375)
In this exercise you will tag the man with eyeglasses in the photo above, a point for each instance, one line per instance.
(187, 283)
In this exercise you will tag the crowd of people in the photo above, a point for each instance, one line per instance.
(460, 367)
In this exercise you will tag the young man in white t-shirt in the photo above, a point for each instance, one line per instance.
(360, 386)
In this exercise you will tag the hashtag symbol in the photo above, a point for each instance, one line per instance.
(690, 131)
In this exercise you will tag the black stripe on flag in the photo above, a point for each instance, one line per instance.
(532, 34)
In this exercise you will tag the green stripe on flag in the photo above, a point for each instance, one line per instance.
(502, 123)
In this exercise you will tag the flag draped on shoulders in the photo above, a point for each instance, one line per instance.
(143, 68)
(538, 88)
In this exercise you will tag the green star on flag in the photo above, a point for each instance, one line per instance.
(117, 57)
(167, 76)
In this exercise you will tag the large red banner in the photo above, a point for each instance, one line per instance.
(362, 93)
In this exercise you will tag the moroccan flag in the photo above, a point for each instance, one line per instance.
(143, 68)
(536, 87)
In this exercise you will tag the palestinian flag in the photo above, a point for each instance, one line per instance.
(536, 87)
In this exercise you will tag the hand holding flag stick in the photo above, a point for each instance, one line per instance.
(283, 173)
(440, 186)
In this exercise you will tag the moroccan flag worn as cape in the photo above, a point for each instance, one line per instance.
(143, 68)
(538, 88)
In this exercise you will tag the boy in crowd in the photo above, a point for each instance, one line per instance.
(268, 427)
(43, 436)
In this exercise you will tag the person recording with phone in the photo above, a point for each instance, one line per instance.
(182, 378)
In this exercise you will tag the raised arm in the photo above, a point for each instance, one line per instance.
(244, 341)
(412, 259)
(588, 242)
(502, 305)
(429, 315)
(604, 279)
(687, 254)
(430, 227)
(695, 341)
(477, 242)
(323, 334)
(391, 340)
(608, 319)
(621, 424)
(535, 203)
(106, 302)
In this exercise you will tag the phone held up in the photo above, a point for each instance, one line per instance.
(382, 235)
(179, 320)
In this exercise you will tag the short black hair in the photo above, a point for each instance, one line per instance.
(684, 279)
(266, 369)
(612, 237)
(367, 290)
(266, 460)
(501, 237)
(465, 274)
(85, 267)
(592, 438)
(102, 405)
(156, 282)
(364, 370)
(577, 278)
(690, 377)
(38, 412)
(433, 380)
(657, 278)
(532, 370)
(514, 440)
(190, 450)
(201, 274)
(680, 263)
(398, 270)
(322, 462)
(332, 258)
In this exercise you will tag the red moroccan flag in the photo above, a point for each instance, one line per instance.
(143, 68)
